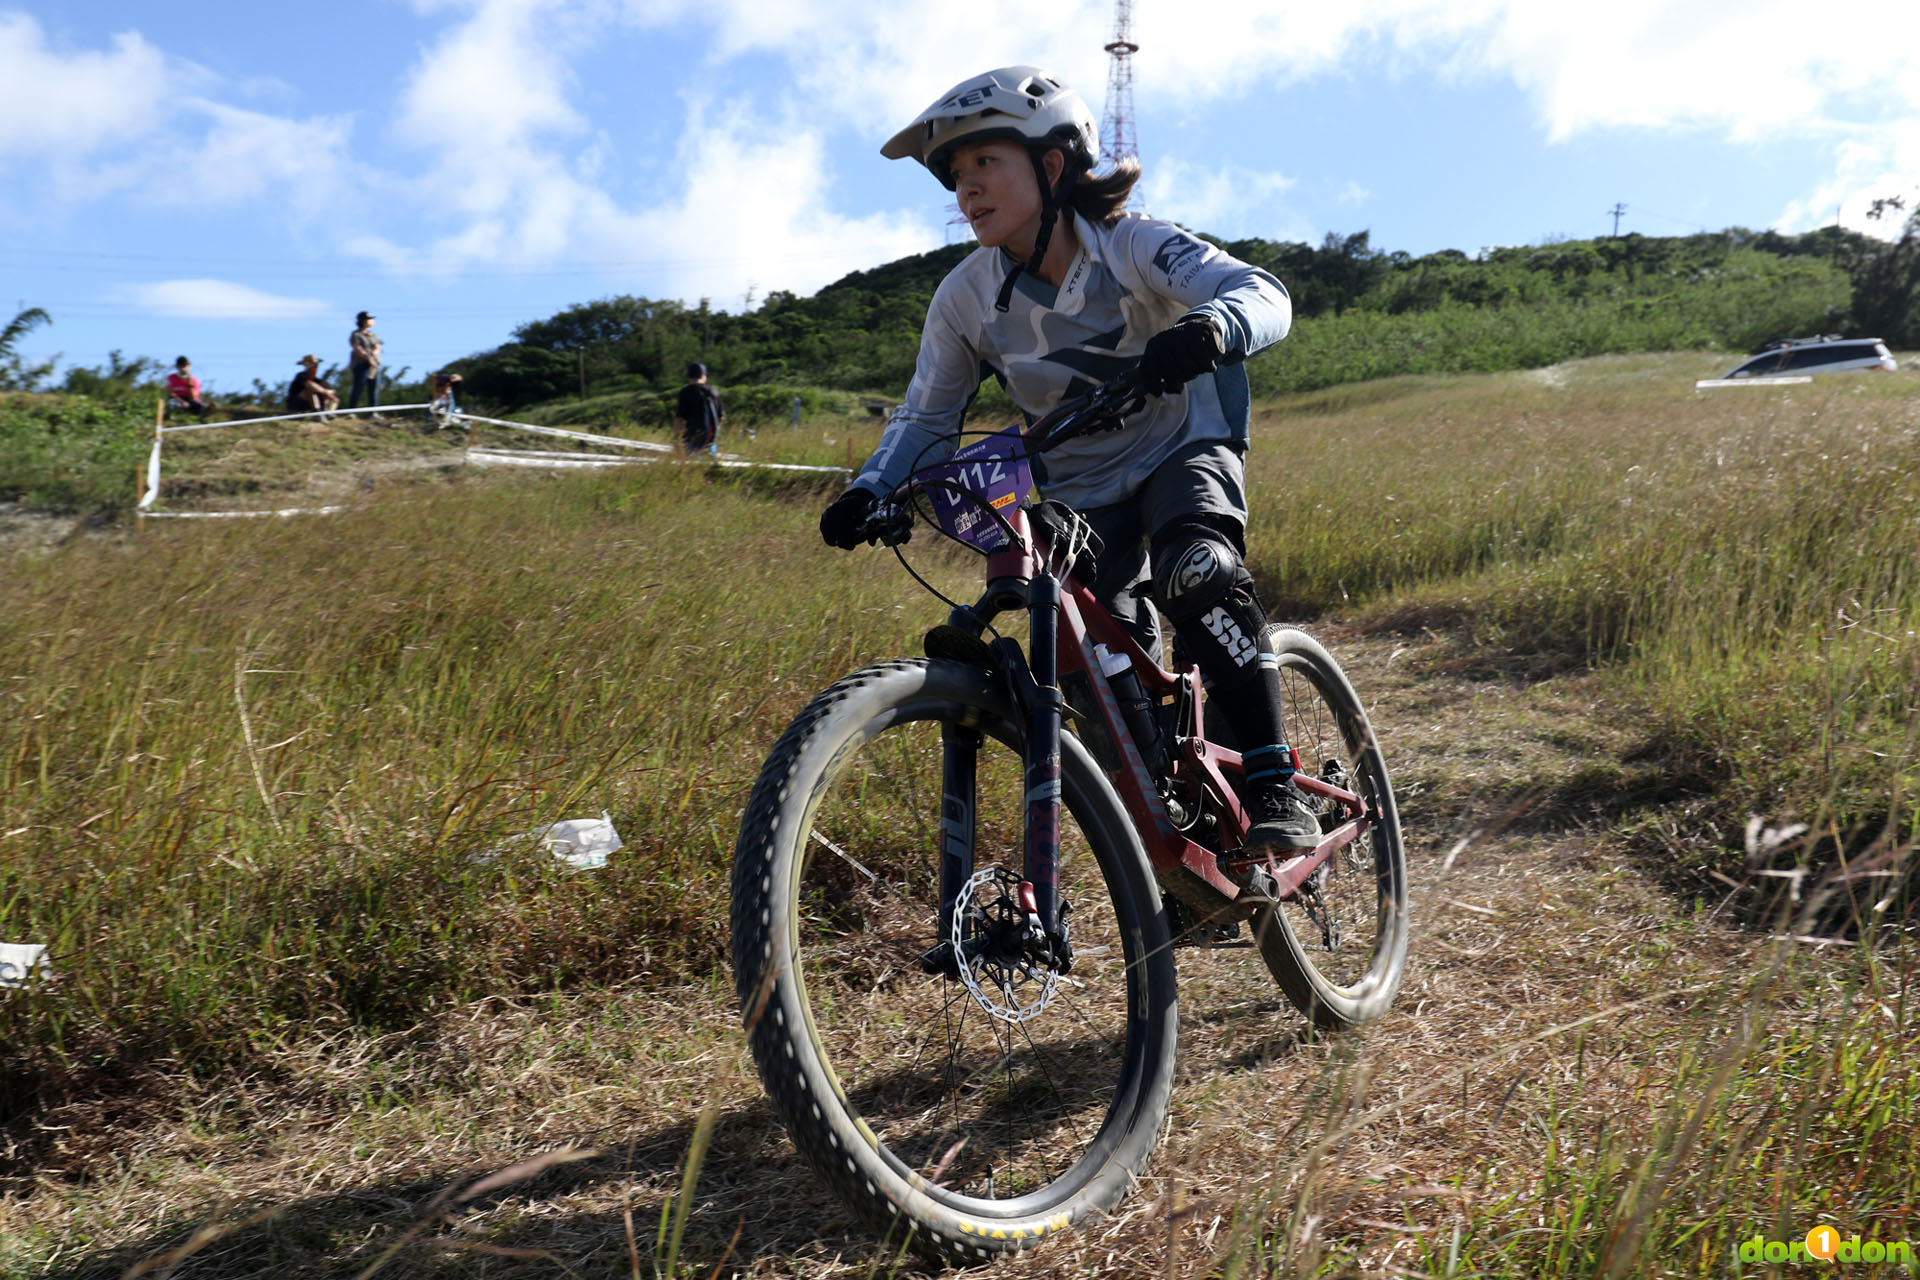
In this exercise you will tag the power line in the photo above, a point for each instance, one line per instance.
(314, 269)
(111, 309)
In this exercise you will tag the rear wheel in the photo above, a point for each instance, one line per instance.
(1338, 946)
(982, 1116)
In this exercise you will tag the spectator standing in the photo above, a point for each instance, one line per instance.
(698, 413)
(363, 357)
(184, 388)
(308, 394)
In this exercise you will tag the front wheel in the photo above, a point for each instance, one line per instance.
(1338, 945)
(973, 1118)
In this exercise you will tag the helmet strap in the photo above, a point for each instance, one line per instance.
(1050, 202)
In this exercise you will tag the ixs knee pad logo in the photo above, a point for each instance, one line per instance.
(1825, 1244)
(1230, 636)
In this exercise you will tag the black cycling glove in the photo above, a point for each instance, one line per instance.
(840, 523)
(1179, 353)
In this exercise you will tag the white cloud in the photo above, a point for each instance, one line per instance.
(759, 217)
(1746, 70)
(873, 67)
(243, 154)
(508, 170)
(52, 103)
(1225, 201)
(1885, 163)
(514, 177)
(131, 120)
(220, 300)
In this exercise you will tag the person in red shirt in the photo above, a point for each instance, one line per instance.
(184, 388)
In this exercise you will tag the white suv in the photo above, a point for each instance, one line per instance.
(1827, 354)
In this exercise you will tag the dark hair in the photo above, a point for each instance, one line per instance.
(696, 370)
(182, 362)
(1104, 199)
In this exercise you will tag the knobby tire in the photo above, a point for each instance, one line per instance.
(1360, 890)
(942, 1127)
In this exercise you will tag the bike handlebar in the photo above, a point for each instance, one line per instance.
(1104, 408)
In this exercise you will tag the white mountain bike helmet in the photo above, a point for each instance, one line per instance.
(1024, 104)
(1021, 104)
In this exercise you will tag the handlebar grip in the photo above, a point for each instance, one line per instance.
(889, 525)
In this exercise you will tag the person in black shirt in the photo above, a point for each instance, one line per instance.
(308, 394)
(697, 414)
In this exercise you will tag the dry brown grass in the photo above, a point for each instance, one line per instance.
(347, 1144)
(1562, 1019)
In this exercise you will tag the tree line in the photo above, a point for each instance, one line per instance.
(1505, 307)
(1361, 312)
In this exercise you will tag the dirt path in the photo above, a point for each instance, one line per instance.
(1524, 921)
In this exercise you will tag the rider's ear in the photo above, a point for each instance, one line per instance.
(1055, 163)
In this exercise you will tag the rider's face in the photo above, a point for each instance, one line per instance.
(994, 185)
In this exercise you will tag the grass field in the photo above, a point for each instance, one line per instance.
(260, 779)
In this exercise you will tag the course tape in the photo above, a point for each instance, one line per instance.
(484, 457)
(537, 458)
(527, 458)
(290, 417)
(563, 434)
(239, 515)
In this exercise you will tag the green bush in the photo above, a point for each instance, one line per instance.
(74, 453)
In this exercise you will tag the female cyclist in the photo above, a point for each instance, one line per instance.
(1067, 290)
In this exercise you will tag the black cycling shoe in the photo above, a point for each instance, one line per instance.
(1281, 821)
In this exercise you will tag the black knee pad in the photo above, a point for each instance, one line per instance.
(1196, 568)
(1201, 581)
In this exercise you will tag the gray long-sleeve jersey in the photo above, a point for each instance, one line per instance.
(1129, 281)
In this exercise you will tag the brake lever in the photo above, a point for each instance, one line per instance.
(889, 524)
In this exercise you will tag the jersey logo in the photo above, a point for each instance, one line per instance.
(1179, 255)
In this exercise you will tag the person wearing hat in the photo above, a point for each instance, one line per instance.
(308, 394)
(697, 414)
(363, 357)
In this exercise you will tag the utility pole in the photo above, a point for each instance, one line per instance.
(1616, 211)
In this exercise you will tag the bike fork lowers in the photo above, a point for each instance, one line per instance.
(1042, 702)
(1036, 690)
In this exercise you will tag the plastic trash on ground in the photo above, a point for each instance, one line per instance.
(22, 961)
(582, 843)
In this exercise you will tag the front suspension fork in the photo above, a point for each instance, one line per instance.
(1036, 692)
(1043, 704)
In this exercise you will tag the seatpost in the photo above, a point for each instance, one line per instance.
(1043, 758)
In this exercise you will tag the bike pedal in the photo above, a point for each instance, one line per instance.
(1208, 936)
(1256, 882)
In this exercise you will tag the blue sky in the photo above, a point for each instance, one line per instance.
(191, 177)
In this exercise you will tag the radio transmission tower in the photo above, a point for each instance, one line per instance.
(1116, 132)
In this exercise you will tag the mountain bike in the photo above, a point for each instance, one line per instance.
(960, 879)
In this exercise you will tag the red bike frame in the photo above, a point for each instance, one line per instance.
(1190, 870)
